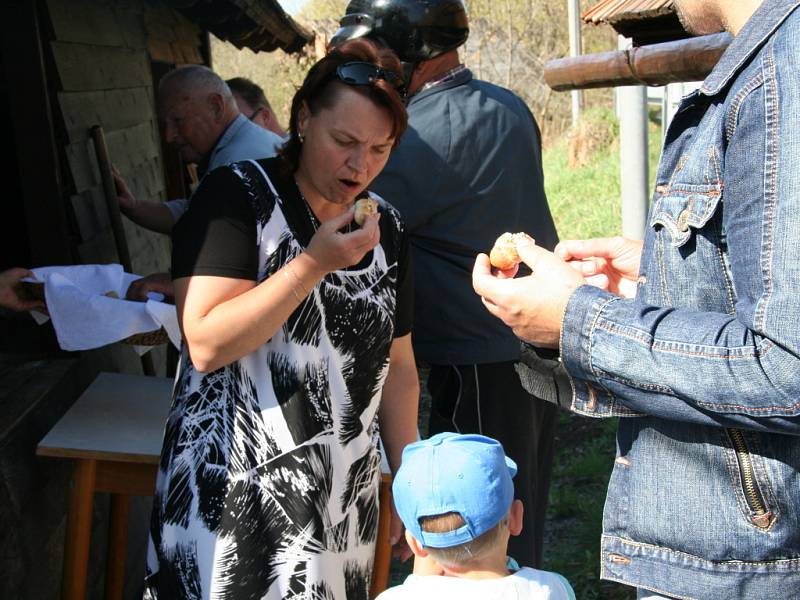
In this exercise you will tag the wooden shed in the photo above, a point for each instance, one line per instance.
(66, 66)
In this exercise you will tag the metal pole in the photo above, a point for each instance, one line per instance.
(634, 184)
(573, 10)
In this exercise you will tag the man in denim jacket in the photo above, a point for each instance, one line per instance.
(694, 338)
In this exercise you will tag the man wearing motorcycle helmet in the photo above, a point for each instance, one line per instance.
(467, 169)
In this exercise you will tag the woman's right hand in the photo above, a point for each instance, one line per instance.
(332, 250)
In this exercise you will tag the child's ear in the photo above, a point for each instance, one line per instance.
(515, 517)
(415, 546)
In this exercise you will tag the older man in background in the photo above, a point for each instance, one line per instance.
(253, 103)
(201, 119)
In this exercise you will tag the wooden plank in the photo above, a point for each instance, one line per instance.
(111, 109)
(90, 214)
(162, 27)
(150, 252)
(35, 150)
(86, 22)
(145, 182)
(159, 16)
(160, 51)
(132, 25)
(189, 54)
(128, 148)
(98, 250)
(83, 165)
(84, 67)
(133, 145)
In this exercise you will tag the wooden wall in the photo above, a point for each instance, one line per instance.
(102, 56)
(97, 62)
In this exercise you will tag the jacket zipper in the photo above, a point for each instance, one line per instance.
(761, 517)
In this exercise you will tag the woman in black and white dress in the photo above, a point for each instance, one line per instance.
(296, 359)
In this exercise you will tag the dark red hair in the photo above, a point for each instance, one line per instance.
(321, 84)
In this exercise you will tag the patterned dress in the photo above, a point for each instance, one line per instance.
(267, 486)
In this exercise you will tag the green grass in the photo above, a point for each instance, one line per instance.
(584, 458)
(585, 201)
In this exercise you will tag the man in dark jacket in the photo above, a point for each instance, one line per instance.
(467, 170)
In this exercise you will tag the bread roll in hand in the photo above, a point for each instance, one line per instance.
(364, 208)
(504, 252)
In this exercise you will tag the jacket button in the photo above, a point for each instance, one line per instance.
(683, 220)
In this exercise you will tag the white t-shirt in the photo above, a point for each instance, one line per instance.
(525, 584)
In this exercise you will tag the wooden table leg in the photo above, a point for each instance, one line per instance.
(79, 530)
(383, 549)
(117, 545)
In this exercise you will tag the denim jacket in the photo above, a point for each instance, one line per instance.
(703, 367)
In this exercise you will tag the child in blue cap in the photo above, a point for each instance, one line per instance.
(455, 496)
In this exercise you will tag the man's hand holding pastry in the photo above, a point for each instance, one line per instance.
(532, 306)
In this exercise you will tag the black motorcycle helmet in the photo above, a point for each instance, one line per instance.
(416, 30)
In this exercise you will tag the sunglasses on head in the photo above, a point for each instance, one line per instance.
(364, 73)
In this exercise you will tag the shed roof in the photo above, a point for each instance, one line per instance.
(261, 25)
(644, 21)
(610, 11)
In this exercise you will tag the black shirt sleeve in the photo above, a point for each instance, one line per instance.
(217, 234)
(404, 311)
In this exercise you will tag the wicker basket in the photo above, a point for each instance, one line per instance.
(148, 338)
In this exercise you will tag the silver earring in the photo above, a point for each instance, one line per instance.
(301, 137)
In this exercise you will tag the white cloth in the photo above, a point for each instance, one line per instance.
(85, 314)
(525, 584)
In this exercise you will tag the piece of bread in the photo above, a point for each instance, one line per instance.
(364, 208)
(504, 252)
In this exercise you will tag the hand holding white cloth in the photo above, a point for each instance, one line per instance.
(87, 306)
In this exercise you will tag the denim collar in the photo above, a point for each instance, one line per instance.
(761, 25)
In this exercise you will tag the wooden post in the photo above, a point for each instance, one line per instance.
(79, 530)
(114, 215)
(657, 64)
(110, 192)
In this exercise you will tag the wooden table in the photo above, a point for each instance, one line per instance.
(114, 432)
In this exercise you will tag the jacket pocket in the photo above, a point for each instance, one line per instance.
(679, 208)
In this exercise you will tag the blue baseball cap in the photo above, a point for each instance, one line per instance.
(467, 474)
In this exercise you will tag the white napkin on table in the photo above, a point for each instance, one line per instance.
(85, 316)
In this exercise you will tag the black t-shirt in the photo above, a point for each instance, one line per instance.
(217, 235)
